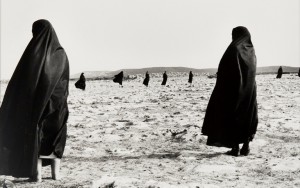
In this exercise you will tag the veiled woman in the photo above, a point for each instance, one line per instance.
(119, 78)
(279, 72)
(34, 110)
(165, 78)
(231, 115)
(191, 77)
(80, 84)
(146, 80)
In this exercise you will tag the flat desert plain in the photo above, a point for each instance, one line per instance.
(127, 137)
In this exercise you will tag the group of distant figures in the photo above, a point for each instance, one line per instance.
(80, 84)
(34, 110)
(280, 72)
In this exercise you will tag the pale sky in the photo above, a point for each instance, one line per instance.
(117, 34)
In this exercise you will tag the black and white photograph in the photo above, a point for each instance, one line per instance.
(149, 93)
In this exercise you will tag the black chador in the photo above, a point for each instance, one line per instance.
(231, 115)
(165, 78)
(146, 80)
(80, 84)
(119, 78)
(299, 72)
(191, 77)
(279, 73)
(34, 111)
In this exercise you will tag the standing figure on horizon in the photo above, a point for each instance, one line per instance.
(34, 110)
(191, 77)
(231, 115)
(80, 84)
(119, 78)
(165, 78)
(146, 80)
(279, 73)
(299, 72)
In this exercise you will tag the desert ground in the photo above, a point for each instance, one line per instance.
(126, 137)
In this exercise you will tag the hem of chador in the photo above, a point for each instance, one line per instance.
(211, 141)
(16, 175)
(52, 154)
(219, 144)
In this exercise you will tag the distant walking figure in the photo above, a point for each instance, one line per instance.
(279, 73)
(231, 115)
(146, 80)
(119, 78)
(34, 111)
(165, 78)
(80, 84)
(191, 77)
(299, 72)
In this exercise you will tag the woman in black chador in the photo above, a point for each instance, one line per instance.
(81, 82)
(299, 72)
(146, 80)
(165, 78)
(191, 77)
(231, 115)
(279, 73)
(119, 78)
(34, 111)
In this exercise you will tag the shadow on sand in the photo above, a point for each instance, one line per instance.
(171, 155)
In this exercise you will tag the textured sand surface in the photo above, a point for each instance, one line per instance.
(122, 137)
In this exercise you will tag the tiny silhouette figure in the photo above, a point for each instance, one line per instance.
(146, 80)
(80, 84)
(299, 72)
(165, 78)
(119, 78)
(191, 77)
(279, 73)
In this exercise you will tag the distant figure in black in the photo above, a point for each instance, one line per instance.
(231, 115)
(165, 78)
(299, 72)
(146, 80)
(80, 84)
(191, 77)
(119, 78)
(279, 73)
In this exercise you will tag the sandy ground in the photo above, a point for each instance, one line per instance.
(122, 137)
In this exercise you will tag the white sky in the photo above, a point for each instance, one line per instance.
(117, 34)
